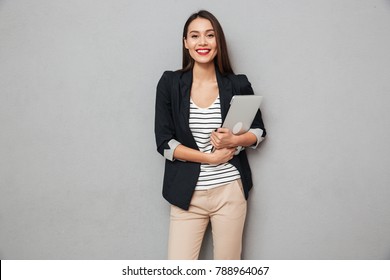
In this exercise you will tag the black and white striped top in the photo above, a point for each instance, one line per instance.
(202, 122)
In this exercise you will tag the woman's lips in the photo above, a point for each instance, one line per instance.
(203, 51)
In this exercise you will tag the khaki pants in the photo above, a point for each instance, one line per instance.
(225, 208)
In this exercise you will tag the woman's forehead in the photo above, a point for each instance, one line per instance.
(199, 25)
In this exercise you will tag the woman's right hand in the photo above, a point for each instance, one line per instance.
(221, 155)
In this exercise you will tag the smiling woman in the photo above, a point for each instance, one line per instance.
(209, 23)
(204, 186)
(200, 41)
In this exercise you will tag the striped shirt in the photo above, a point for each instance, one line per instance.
(203, 121)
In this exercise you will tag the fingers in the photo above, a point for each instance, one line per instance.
(231, 154)
(221, 138)
(215, 141)
(223, 130)
(229, 151)
(224, 155)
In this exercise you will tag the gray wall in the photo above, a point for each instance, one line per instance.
(79, 174)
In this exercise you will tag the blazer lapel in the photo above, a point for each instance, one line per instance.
(225, 92)
(185, 90)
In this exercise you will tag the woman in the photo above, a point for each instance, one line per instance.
(204, 186)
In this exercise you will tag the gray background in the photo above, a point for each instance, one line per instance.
(81, 179)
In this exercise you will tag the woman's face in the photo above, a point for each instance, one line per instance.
(200, 41)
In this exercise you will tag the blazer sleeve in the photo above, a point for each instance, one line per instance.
(164, 127)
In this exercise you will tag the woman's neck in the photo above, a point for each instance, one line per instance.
(204, 72)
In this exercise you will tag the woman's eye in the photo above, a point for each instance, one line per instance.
(194, 36)
(210, 35)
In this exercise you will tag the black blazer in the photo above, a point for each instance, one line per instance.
(172, 122)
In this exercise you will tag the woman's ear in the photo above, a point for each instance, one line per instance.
(185, 42)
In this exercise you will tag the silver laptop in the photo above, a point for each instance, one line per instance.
(242, 111)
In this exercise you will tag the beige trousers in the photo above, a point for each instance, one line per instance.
(225, 207)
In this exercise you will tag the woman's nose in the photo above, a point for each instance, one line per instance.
(203, 41)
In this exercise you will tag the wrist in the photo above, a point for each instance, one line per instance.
(207, 158)
(210, 158)
(245, 140)
(236, 140)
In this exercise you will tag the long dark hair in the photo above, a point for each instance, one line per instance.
(222, 59)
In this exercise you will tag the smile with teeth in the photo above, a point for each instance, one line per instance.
(203, 51)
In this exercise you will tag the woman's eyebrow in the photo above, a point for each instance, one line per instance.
(196, 31)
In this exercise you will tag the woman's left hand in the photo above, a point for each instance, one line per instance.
(223, 138)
